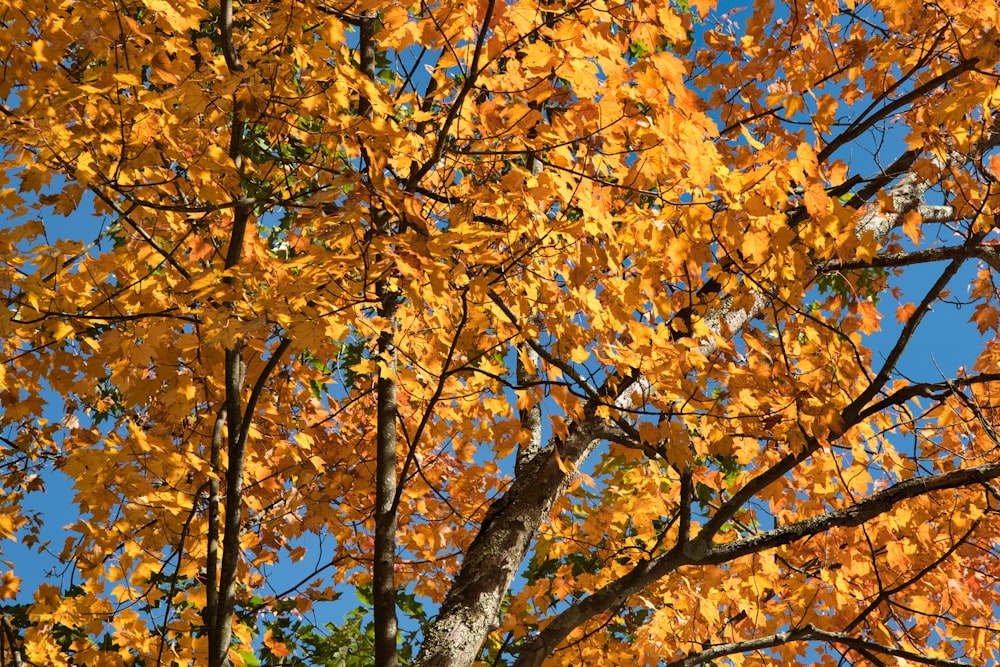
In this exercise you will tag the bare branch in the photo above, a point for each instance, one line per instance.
(899, 259)
(869, 117)
(905, 335)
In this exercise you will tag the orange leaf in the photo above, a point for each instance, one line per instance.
(817, 201)
(911, 226)
(904, 312)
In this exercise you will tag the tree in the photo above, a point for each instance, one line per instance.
(555, 318)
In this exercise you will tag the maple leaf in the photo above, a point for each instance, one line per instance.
(986, 317)
(904, 312)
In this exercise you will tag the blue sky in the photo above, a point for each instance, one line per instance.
(945, 342)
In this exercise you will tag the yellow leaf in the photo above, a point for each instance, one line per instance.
(217, 155)
(869, 316)
(817, 201)
(84, 167)
(756, 245)
(393, 17)
(61, 329)
(304, 440)
(757, 207)
(180, 22)
(9, 585)
(161, 69)
(127, 79)
(365, 367)
(6, 526)
(539, 56)
(750, 138)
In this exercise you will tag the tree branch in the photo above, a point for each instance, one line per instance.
(810, 633)
(899, 259)
(526, 374)
(384, 583)
(226, 34)
(866, 121)
(12, 642)
(456, 106)
(905, 335)
(701, 552)
(928, 390)
(221, 628)
(854, 515)
(258, 387)
(471, 609)
(235, 371)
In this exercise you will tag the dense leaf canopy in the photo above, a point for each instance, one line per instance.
(548, 324)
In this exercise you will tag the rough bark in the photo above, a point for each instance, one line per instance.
(222, 600)
(472, 608)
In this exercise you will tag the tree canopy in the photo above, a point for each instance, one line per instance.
(561, 330)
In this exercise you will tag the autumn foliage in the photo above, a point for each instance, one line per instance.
(563, 331)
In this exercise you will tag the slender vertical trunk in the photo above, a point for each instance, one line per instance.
(229, 562)
(210, 613)
(383, 570)
(222, 598)
(384, 575)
